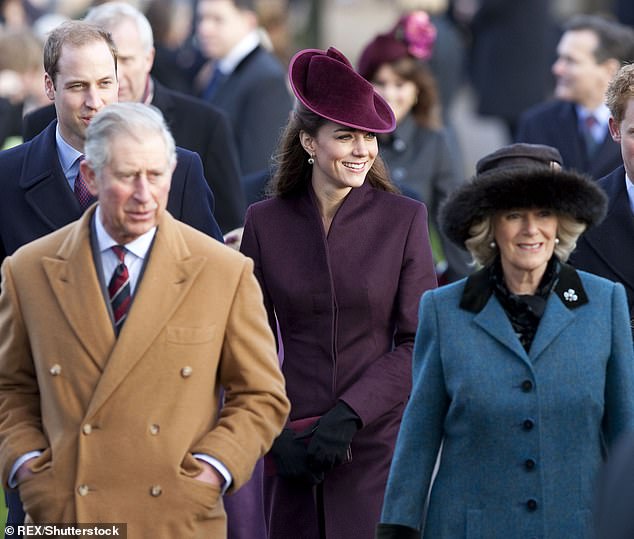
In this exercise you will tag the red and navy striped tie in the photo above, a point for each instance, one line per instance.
(119, 289)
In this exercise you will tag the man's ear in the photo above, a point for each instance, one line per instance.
(90, 178)
(49, 87)
(615, 130)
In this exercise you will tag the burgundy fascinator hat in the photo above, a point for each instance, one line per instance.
(414, 35)
(326, 83)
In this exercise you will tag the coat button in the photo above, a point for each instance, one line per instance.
(87, 429)
(528, 424)
(154, 429)
(186, 372)
(529, 464)
(527, 386)
(531, 505)
(155, 490)
(82, 490)
(55, 370)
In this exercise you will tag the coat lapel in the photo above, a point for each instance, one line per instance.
(45, 187)
(495, 322)
(73, 279)
(555, 319)
(169, 274)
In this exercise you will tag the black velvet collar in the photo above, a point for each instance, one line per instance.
(478, 289)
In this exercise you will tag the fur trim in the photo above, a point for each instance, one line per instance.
(564, 192)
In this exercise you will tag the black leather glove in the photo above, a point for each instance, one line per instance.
(290, 457)
(330, 442)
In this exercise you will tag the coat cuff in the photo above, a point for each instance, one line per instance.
(396, 531)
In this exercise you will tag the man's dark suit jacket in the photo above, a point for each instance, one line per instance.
(199, 127)
(556, 124)
(256, 99)
(36, 198)
(607, 250)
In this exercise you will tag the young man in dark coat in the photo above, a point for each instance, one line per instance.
(608, 249)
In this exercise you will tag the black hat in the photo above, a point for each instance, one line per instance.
(521, 176)
(520, 154)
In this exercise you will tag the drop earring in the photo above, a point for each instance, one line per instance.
(493, 245)
(311, 160)
(556, 240)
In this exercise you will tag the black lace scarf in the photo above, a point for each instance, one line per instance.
(524, 311)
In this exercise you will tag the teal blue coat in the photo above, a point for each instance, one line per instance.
(522, 434)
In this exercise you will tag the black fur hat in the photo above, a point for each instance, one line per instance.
(532, 182)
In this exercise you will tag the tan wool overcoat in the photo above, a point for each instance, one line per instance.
(119, 419)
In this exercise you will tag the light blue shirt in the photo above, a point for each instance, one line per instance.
(68, 158)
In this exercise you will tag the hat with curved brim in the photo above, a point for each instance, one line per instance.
(519, 186)
(326, 83)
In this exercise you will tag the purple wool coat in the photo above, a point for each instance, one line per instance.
(346, 304)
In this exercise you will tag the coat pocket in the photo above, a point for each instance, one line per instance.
(187, 335)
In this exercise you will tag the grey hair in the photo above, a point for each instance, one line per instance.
(109, 15)
(481, 234)
(135, 120)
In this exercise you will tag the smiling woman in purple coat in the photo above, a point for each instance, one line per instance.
(342, 260)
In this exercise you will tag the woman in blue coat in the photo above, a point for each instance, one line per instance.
(523, 372)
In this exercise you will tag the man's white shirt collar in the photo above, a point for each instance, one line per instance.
(138, 247)
(228, 64)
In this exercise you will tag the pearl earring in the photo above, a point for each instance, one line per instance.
(311, 160)
(493, 245)
(556, 240)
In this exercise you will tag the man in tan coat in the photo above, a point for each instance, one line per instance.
(117, 333)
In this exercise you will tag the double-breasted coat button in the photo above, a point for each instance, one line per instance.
(527, 386)
(531, 505)
(528, 424)
(154, 429)
(529, 464)
(155, 490)
(55, 370)
(186, 372)
(82, 490)
(87, 428)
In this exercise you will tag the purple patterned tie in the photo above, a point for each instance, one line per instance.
(84, 196)
(119, 289)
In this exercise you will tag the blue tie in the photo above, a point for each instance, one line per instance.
(217, 78)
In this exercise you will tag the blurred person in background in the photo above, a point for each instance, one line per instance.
(511, 49)
(246, 80)
(21, 75)
(417, 153)
(590, 52)
(176, 61)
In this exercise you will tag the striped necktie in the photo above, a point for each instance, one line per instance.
(119, 289)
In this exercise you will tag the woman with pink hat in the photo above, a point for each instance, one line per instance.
(342, 260)
(423, 160)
